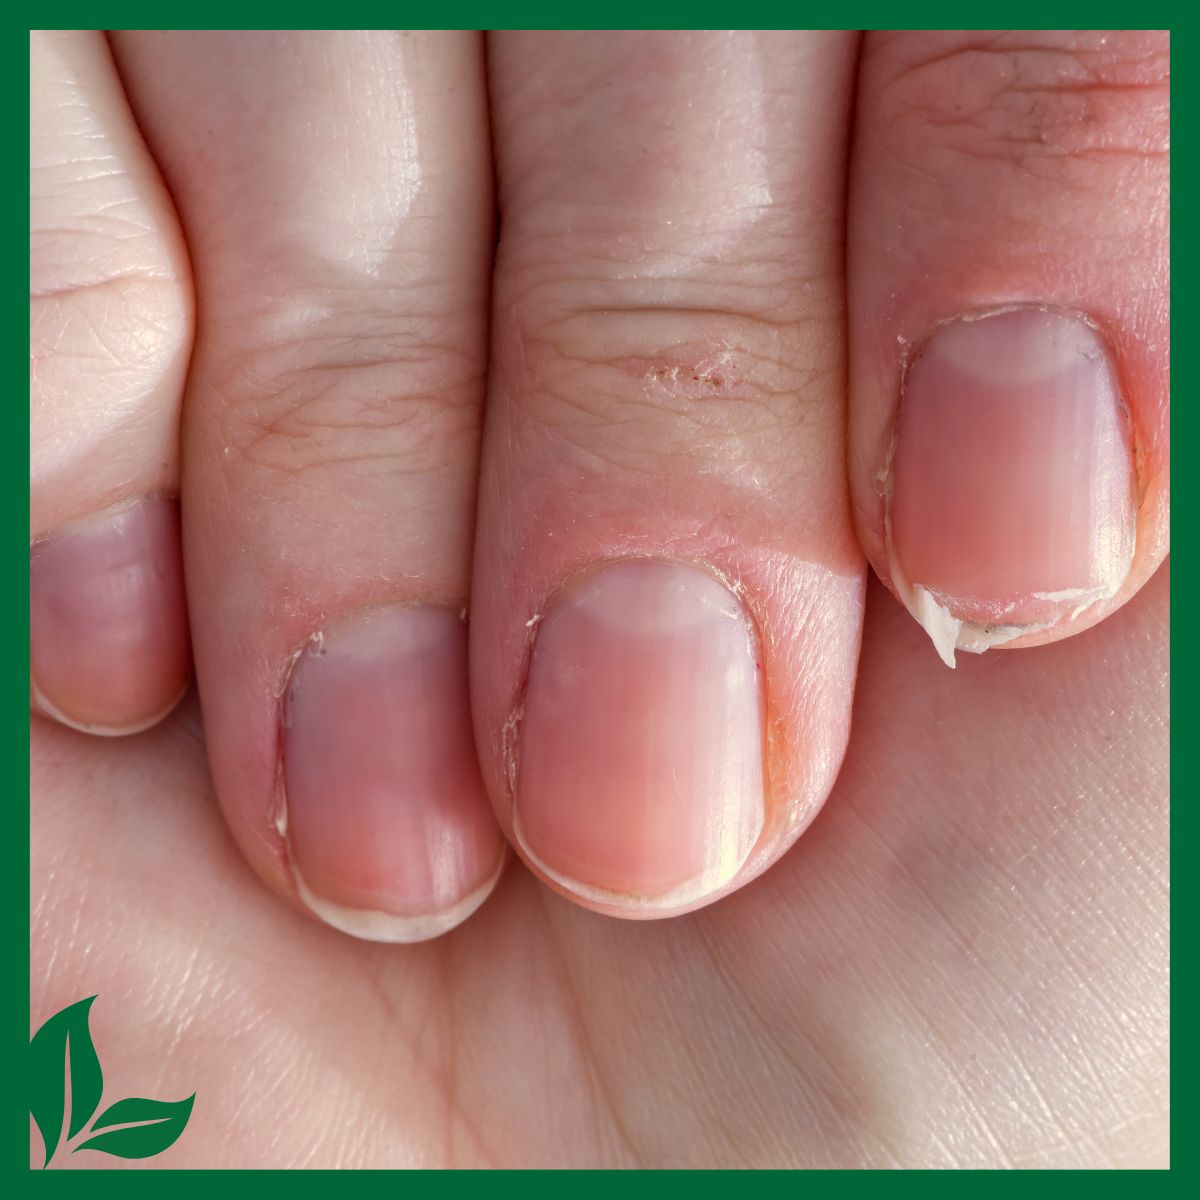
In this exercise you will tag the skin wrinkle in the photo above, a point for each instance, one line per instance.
(703, 453)
(301, 441)
(109, 283)
(109, 294)
(106, 223)
(816, 1044)
(421, 408)
(961, 937)
(600, 1089)
(1021, 120)
(688, 1092)
(544, 283)
(638, 252)
(144, 321)
(698, 423)
(616, 385)
(457, 1119)
(970, 210)
(1104, 69)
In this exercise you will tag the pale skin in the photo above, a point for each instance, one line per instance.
(693, 360)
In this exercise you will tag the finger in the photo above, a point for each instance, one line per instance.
(110, 327)
(667, 598)
(335, 188)
(1009, 327)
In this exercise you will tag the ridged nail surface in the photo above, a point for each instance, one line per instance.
(640, 781)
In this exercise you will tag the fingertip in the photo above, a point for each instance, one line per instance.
(1009, 351)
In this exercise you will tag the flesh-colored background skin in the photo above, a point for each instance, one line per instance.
(963, 962)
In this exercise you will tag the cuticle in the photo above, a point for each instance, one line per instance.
(103, 513)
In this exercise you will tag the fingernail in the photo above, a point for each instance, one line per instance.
(108, 636)
(640, 778)
(1012, 502)
(390, 834)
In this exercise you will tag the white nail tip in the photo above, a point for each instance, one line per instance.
(725, 867)
(47, 709)
(372, 925)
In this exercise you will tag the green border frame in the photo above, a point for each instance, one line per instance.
(14, 739)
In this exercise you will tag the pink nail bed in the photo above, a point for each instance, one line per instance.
(108, 633)
(640, 779)
(1012, 486)
(389, 830)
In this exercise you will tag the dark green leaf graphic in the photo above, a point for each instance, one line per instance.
(63, 1064)
(62, 1040)
(162, 1123)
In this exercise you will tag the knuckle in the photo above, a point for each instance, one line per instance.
(108, 296)
(631, 381)
(124, 334)
(1040, 104)
(93, 222)
(358, 393)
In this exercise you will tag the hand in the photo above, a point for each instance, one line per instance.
(963, 961)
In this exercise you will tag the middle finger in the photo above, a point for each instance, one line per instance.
(667, 592)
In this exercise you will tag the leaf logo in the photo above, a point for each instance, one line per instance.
(133, 1128)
